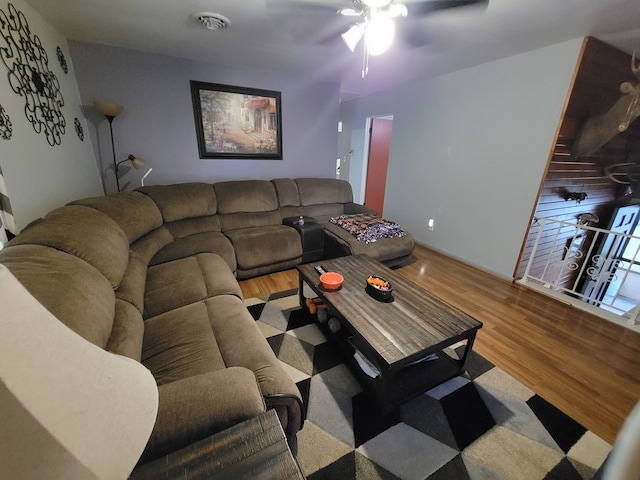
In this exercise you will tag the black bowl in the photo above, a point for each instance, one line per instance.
(378, 291)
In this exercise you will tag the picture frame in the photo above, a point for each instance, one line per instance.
(237, 122)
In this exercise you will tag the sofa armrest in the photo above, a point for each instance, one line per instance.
(355, 208)
(289, 410)
(282, 394)
(196, 407)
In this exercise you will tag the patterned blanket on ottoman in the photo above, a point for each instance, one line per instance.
(368, 228)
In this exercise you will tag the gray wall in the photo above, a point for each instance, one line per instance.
(158, 122)
(38, 176)
(469, 150)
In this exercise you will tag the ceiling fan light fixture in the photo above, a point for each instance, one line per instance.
(376, 3)
(396, 10)
(350, 12)
(379, 34)
(352, 37)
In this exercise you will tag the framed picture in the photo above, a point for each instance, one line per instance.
(237, 122)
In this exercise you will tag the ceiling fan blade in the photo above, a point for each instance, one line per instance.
(315, 22)
(414, 37)
(429, 6)
(331, 6)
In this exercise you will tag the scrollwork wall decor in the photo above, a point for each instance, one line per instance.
(30, 77)
(79, 129)
(5, 125)
(62, 60)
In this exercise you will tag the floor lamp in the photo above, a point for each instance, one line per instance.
(111, 111)
(136, 163)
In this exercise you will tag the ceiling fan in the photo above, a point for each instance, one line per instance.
(375, 24)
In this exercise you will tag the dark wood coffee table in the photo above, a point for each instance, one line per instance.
(407, 340)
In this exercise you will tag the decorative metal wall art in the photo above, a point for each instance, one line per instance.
(30, 77)
(5, 125)
(62, 60)
(79, 129)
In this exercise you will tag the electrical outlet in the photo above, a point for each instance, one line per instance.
(431, 223)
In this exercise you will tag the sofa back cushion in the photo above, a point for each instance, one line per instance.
(135, 212)
(147, 246)
(245, 196)
(317, 191)
(131, 289)
(182, 200)
(287, 191)
(237, 221)
(127, 332)
(193, 226)
(86, 233)
(71, 289)
(324, 211)
(246, 204)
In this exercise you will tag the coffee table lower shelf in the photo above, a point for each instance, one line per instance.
(391, 389)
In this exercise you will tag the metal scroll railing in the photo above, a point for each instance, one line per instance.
(589, 267)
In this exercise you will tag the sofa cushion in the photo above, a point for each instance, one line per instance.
(246, 196)
(180, 282)
(241, 343)
(208, 242)
(151, 243)
(127, 332)
(323, 211)
(180, 344)
(133, 282)
(136, 213)
(86, 233)
(71, 289)
(287, 191)
(182, 200)
(267, 245)
(196, 407)
(192, 226)
(316, 191)
(237, 221)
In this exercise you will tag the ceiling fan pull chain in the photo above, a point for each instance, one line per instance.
(365, 58)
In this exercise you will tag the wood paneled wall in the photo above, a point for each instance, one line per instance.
(601, 70)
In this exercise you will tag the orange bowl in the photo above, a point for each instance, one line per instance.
(331, 281)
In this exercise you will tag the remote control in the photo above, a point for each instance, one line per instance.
(319, 269)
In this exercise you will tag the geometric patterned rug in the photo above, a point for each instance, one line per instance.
(480, 425)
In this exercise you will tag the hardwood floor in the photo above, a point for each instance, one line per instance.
(586, 366)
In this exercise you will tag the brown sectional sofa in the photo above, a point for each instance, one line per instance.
(152, 275)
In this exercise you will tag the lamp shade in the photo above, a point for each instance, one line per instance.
(68, 409)
(624, 460)
(107, 109)
(136, 162)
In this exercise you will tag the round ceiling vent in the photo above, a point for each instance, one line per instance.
(212, 21)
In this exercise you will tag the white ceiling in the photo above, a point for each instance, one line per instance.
(301, 36)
